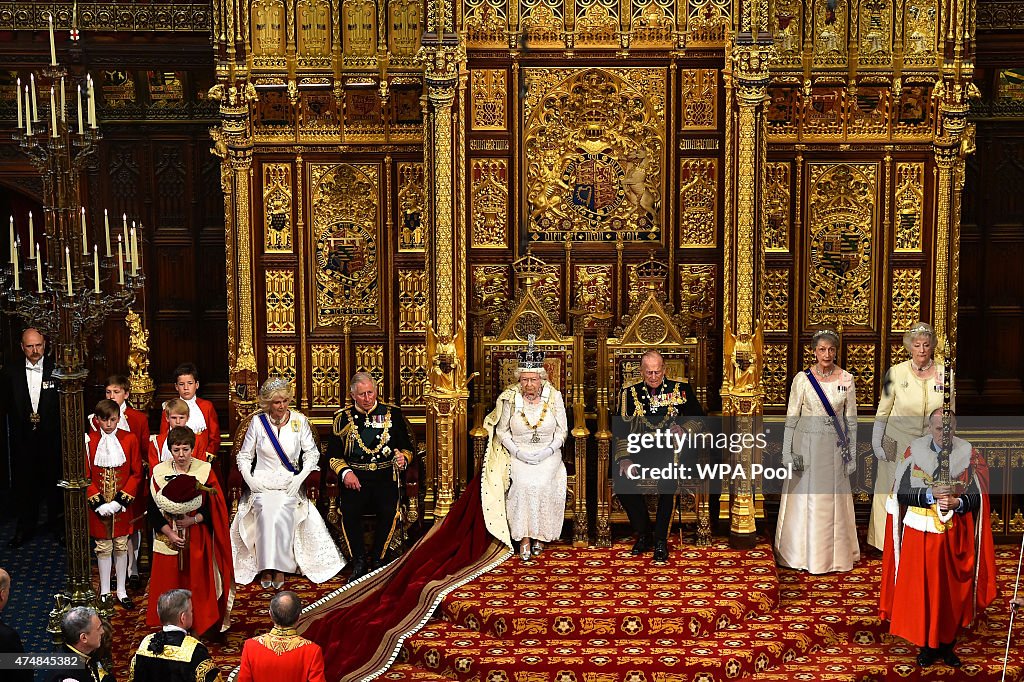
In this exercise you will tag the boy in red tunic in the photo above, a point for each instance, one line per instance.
(201, 417)
(191, 548)
(135, 422)
(115, 470)
(175, 414)
(938, 568)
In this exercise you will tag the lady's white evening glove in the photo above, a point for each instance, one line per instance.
(877, 431)
(295, 484)
(510, 445)
(250, 481)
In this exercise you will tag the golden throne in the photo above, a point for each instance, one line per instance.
(652, 327)
(495, 357)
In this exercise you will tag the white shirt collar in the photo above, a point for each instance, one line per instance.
(174, 628)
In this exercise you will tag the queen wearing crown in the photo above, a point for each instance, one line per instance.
(529, 427)
(277, 530)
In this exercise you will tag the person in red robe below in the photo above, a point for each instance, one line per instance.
(114, 469)
(135, 422)
(192, 548)
(938, 566)
(175, 414)
(201, 417)
(282, 654)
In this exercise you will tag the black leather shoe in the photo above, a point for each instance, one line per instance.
(945, 652)
(126, 603)
(359, 568)
(661, 551)
(642, 544)
(134, 582)
(926, 657)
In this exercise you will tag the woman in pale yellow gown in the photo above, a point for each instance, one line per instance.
(912, 390)
(817, 531)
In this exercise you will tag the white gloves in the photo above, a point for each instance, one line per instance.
(295, 485)
(877, 431)
(510, 445)
(851, 468)
(109, 509)
(534, 457)
(249, 480)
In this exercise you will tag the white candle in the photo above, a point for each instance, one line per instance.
(39, 271)
(81, 128)
(35, 104)
(67, 264)
(11, 258)
(124, 229)
(85, 240)
(28, 114)
(53, 113)
(53, 47)
(106, 228)
(135, 254)
(92, 104)
(95, 269)
(120, 260)
(31, 236)
(63, 101)
(17, 93)
(17, 269)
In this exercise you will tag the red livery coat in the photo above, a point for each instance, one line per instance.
(212, 432)
(120, 484)
(281, 654)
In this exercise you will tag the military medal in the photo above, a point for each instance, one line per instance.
(35, 419)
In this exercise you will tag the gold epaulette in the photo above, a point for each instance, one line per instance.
(341, 431)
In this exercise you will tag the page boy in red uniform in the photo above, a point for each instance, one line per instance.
(202, 418)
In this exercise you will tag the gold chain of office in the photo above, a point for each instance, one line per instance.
(354, 435)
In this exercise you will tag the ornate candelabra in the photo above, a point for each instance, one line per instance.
(66, 286)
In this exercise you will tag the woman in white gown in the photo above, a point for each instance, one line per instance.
(532, 426)
(277, 530)
(817, 531)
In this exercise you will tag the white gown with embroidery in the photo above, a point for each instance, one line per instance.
(274, 530)
(817, 531)
(535, 503)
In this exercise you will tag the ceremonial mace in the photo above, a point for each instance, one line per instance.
(944, 480)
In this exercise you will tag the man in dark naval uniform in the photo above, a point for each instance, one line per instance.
(656, 403)
(173, 655)
(369, 446)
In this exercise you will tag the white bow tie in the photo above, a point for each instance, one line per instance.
(34, 368)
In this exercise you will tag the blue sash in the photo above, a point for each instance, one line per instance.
(277, 445)
(840, 428)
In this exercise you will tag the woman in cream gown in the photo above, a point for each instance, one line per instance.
(532, 427)
(277, 530)
(912, 390)
(817, 531)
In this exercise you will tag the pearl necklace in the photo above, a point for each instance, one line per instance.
(824, 375)
(281, 423)
(922, 368)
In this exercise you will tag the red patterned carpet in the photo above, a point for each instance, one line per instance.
(599, 615)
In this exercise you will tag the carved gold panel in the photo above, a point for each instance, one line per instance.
(897, 354)
(906, 298)
(775, 303)
(412, 372)
(547, 287)
(370, 359)
(653, 25)
(786, 26)
(118, 87)
(860, 362)
(280, 301)
(594, 141)
(707, 22)
(277, 207)
(774, 374)
(490, 93)
(698, 202)
(697, 292)
(841, 207)
(699, 89)
(491, 288)
(485, 23)
(281, 361)
(326, 375)
(775, 237)
(268, 32)
(830, 32)
(909, 201)
(592, 287)
(597, 25)
(489, 203)
(920, 33)
(412, 301)
(359, 28)
(412, 196)
(1016, 524)
(314, 30)
(875, 33)
(405, 26)
(542, 25)
(344, 228)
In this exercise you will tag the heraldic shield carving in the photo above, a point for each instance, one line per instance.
(842, 217)
(345, 243)
(594, 141)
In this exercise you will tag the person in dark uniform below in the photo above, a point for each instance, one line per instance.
(82, 631)
(369, 447)
(173, 655)
(28, 395)
(10, 641)
(652, 404)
